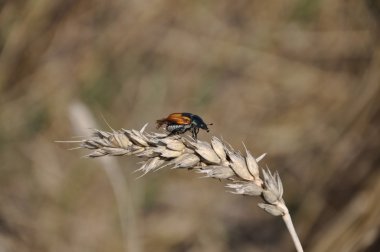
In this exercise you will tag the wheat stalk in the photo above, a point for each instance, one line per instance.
(215, 160)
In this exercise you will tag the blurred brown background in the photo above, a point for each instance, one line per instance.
(298, 79)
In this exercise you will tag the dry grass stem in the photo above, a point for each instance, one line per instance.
(214, 160)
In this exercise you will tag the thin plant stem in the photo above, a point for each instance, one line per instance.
(292, 231)
(81, 118)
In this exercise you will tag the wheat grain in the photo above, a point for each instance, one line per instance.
(216, 160)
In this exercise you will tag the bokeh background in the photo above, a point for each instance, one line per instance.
(297, 79)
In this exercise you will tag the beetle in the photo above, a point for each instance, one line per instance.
(179, 123)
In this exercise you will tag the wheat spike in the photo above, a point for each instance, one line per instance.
(215, 160)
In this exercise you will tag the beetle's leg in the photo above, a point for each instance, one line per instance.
(184, 129)
(171, 134)
(194, 132)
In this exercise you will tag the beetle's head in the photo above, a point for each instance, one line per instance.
(197, 121)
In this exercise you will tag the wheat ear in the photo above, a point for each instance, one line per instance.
(215, 160)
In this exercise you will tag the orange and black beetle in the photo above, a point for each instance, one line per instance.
(179, 123)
